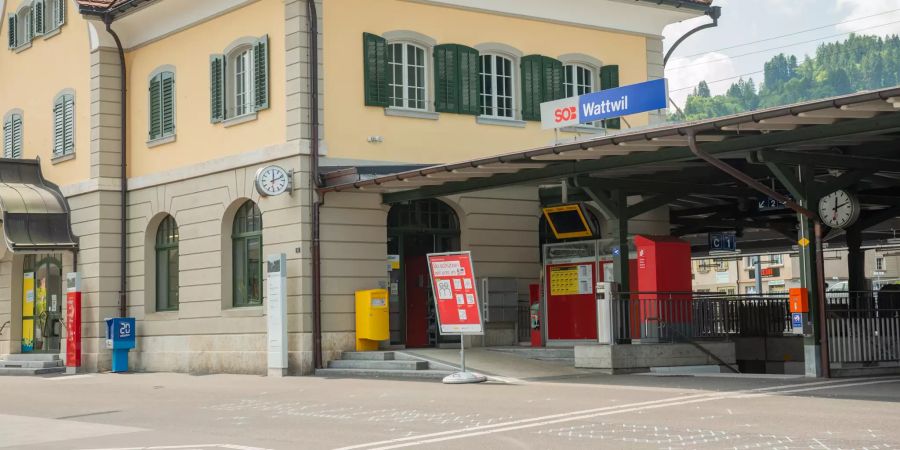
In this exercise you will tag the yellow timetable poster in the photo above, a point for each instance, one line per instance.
(28, 312)
(570, 280)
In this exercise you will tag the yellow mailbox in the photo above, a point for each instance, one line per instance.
(371, 319)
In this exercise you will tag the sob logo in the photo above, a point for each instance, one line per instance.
(565, 114)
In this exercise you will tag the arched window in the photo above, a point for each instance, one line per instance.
(247, 261)
(497, 86)
(240, 80)
(406, 76)
(167, 265)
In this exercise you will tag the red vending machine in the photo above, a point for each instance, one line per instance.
(663, 307)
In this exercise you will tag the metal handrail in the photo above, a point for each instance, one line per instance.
(2, 327)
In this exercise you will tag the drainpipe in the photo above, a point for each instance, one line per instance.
(820, 260)
(316, 199)
(123, 265)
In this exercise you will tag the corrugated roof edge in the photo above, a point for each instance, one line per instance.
(113, 8)
(642, 135)
(699, 5)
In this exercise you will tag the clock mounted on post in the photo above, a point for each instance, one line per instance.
(274, 180)
(839, 209)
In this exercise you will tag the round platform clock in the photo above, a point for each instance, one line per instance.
(839, 209)
(273, 180)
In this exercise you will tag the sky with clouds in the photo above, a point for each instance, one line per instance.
(719, 54)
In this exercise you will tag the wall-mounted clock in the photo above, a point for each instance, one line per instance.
(839, 209)
(273, 180)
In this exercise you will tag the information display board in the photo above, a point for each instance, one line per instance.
(455, 293)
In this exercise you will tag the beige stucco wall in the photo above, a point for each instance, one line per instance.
(453, 137)
(207, 334)
(188, 51)
(30, 80)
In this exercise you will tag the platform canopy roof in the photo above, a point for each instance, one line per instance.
(852, 140)
(35, 213)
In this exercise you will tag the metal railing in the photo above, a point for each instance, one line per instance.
(523, 317)
(673, 316)
(3, 327)
(864, 326)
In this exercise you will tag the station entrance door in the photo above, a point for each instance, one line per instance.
(416, 229)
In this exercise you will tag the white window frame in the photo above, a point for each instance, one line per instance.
(572, 69)
(494, 96)
(587, 62)
(234, 95)
(24, 26)
(879, 263)
(404, 84)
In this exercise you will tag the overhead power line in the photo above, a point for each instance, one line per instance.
(729, 58)
(792, 34)
(720, 80)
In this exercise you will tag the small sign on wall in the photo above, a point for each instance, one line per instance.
(276, 314)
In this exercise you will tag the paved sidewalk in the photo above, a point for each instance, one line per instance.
(502, 364)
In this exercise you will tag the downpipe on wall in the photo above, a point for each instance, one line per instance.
(316, 198)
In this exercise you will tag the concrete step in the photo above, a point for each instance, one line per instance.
(372, 373)
(688, 369)
(18, 371)
(31, 357)
(377, 365)
(368, 356)
(31, 364)
(544, 354)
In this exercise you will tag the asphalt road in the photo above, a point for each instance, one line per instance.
(175, 411)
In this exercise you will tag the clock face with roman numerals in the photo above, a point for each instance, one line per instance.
(272, 180)
(839, 209)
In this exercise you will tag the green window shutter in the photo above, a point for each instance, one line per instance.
(532, 87)
(37, 10)
(7, 138)
(69, 127)
(167, 119)
(17, 137)
(446, 78)
(217, 88)
(469, 80)
(58, 127)
(261, 72)
(375, 67)
(552, 83)
(11, 31)
(60, 13)
(155, 108)
(609, 78)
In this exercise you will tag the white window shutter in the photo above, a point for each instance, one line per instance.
(58, 127)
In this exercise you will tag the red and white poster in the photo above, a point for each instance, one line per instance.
(455, 295)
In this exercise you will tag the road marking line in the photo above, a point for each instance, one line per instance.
(576, 415)
(192, 446)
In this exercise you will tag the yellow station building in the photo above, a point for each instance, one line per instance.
(214, 90)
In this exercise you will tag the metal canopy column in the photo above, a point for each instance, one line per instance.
(614, 206)
(856, 260)
(809, 273)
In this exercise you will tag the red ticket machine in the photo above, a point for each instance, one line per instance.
(664, 283)
(534, 297)
(73, 321)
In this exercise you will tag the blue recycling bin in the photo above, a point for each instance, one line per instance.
(120, 338)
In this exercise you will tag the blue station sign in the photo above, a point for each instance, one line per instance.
(606, 104)
(622, 101)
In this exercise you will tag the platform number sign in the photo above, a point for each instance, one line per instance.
(724, 241)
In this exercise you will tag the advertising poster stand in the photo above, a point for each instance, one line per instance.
(457, 306)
